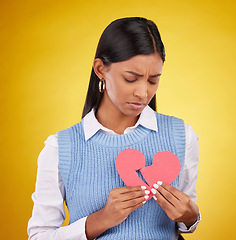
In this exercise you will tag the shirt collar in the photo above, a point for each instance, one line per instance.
(91, 125)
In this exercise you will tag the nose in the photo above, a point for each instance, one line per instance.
(141, 90)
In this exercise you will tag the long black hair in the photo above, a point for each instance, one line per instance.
(121, 40)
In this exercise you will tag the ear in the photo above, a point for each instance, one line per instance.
(99, 68)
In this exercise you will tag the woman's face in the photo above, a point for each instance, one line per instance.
(131, 84)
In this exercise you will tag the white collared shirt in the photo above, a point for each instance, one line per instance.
(48, 211)
(91, 125)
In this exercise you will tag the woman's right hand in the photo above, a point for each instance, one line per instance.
(120, 203)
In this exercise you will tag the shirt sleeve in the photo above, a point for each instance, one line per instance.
(48, 212)
(188, 177)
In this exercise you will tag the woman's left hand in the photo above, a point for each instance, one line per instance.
(178, 206)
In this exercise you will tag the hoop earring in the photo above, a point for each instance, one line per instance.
(101, 86)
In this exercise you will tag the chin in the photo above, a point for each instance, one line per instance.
(132, 113)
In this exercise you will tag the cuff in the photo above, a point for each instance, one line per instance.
(75, 230)
(182, 228)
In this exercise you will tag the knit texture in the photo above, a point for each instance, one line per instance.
(88, 171)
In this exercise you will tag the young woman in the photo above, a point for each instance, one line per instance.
(77, 165)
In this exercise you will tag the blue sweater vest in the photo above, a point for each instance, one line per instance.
(88, 171)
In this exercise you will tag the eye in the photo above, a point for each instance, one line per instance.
(153, 83)
(129, 80)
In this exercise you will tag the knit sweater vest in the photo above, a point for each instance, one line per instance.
(88, 171)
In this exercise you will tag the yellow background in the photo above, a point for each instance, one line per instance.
(47, 50)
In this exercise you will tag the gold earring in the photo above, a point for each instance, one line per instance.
(101, 86)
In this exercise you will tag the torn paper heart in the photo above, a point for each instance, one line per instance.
(165, 167)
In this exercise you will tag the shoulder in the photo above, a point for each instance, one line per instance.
(162, 116)
(76, 129)
(51, 141)
(67, 137)
(179, 127)
(174, 123)
(187, 127)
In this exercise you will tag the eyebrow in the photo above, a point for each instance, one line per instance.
(140, 75)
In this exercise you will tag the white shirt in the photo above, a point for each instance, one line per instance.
(48, 212)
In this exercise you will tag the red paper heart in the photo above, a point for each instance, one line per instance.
(165, 167)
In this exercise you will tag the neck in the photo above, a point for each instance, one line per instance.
(112, 118)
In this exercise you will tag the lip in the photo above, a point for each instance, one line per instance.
(135, 105)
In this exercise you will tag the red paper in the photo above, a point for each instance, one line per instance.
(165, 167)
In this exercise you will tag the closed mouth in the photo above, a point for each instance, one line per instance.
(136, 105)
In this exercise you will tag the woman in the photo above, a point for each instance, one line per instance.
(78, 164)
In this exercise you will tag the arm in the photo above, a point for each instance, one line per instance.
(188, 178)
(48, 211)
(120, 203)
(180, 205)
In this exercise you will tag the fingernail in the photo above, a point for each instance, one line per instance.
(155, 185)
(154, 197)
(153, 190)
(144, 202)
(146, 197)
(159, 182)
(143, 187)
(147, 192)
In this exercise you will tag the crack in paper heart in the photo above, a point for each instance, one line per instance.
(165, 167)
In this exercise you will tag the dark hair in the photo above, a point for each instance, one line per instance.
(123, 39)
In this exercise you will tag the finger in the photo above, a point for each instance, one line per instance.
(133, 195)
(132, 203)
(133, 208)
(124, 190)
(164, 203)
(128, 193)
(174, 191)
(183, 200)
(166, 194)
(179, 200)
(117, 192)
(137, 206)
